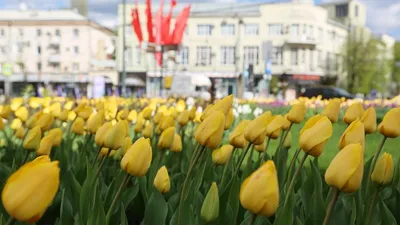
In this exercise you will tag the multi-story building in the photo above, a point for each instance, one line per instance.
(57, 47)
(297, 41)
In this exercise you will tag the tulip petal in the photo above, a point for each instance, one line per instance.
(319, 132)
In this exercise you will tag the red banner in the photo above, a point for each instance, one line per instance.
(149, 21)
(180, 25)
(136, 24)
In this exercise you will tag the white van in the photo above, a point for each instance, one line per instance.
(191, 86)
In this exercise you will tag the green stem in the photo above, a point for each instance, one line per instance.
(241, 159)
(102, 163)
(371, 208)
(253, 219)
(250, 160)
(26, 158)
(97, 156)
(10, 221)
(226, 169)
(291, 185)
(372, 167)
(119, 192)
(265, 152)
(292, 164)
(331, 206)
(88, 137)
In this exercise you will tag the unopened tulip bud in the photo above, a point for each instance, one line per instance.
(45, 121)
(123, 114)
(332, 110)
(148, 130)
(139, 124)
(353, 134)
(209, 132)
(141, 152)
(22, 113)
(32, 139)
(167, 138)
(274, 126)
(126, 145)
(183, 118)
(95, 122)
(45, 146)
(56, 135)
(147, 112)
(222, 155)
(286, 123)
(261, 147)
(161, 181)
(101, 134)
(20, 133)
(15, 124)
(192, 113)
(55, 109)
(314, 135)
(236, 138)
(78, 127)
(210, 208)
(64, 115)
(132, 116)
(390, 125)
(5, 111)
(369, 120)
(158, 117)
(229, 119)
(297, 113)
(166, 121)
(383, 172)
(116, 136)
(256, 130)
(355, 111)
(287, 143)
(176, 144)
(85, 112)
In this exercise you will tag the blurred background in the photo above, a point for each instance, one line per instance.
(207, 49)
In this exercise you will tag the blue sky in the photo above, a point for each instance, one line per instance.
(383, 16)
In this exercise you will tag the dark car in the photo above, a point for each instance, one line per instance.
(326, 92)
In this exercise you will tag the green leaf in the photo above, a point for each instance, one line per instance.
(262, 220)
(143, 188)
(156, 210)
(97, 215)
(86, 200)
(353, 213)
(284, 215)
(318, 206)
(66, 212)
(386, 215)
(124, 220)
(130, 193)
(197, 181)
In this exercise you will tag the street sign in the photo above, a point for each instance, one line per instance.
(7, 69)
(268, 67)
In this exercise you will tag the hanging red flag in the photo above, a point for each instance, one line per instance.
(180, 25)
(136, 24)
(159, 25)
(149, 21)
(166, 37)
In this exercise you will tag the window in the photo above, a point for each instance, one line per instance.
(228, 29)
(293, 56)
(342, 10)
(330, 62)
(305, 29)
(58, 33)
(76, 33)
(227, 55)
(2, 32)
(39, 50)
(303, 56)
(294, 30)
(75, 67)
(138, 55)
(39, 66)
(56, 67)
(311, 31)
(251, 55)
(277, 58)
(251, 29)
(39, 32)
(320, 34)
(320, 59)
(76, 50)
(204, 29)
(21, 32)
(128, 56)
(275, 29)
(184, 55)
(203, 56)
(312, 66)
(356, 11)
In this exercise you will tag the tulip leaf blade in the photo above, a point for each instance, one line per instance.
(130, 193)
(284, 215)
(66, 212)
(353, 213)
(386, 215)
(124, 220)
(97, 215)
(87, 194)
(156, 210)
(318, 205)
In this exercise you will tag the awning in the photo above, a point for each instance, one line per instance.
(134, 81)
(201, 80)
(207, 74)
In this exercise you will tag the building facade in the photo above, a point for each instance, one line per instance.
(60, 48)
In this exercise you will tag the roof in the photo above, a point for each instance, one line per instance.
(41, 15)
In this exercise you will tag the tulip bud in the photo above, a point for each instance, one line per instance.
(390, 125)
(192, 113)
(56, 135)
(45, 146)
(297, 113)
(209, 132)
(45, 121)
(71, 116)
(167, 138)
(101, 133)
(32, 139)
(5, 111)
(176, 144)
(369, 120)
(139, 124)
(148, 130)
(180, 106)
(166, 121)
(22, 113)
(105, 152)
(314, 135)
(126, 145)
(123, 114)
(78, 127)
(256, 130)
(183, 118)
(223, 105)
(115, 136)
(346, 170)
(55, 109)
(85, 112)
(286, 123)
(287, 143)
(147, 112)
(40, 181)
(162, 109)
(355, 111)
(210, 208)
(68, 105)
(236, 138)
(353, 134)
(64, 115)
(383, 172)
(229, 119)
(20, 133)
(222, 155)
(206, 112)
(94, 122)
(132, 116)
(161, 181)
(261, 147)
(158, 117)
(332, 110)
(259, 192)
(137, 159)
(15, 124)
(274, 126)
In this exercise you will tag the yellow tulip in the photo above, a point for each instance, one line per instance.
(183, 118)
(229, 119)
(139, 124)
(32, 139)
(5, 111)
(123, 114)
(345, 172)
(94, 122)
(260, 147)
(209, 132)
(106, 152)
(176, 144)
(33, 120)
(85, 112)
(355, 111)
(15, 124)
(116, 136)
(137, 159)
(166, 121)
(332, 110)
(126, 145)
(353, 134)
(236, 138)
(55, 109)
(56, 134)
(132, 116)
(16, 103)
(99, 105)
(259, 192)
(45, 121)
(222, 155)
(101, 134)
(314, 135)
(158, 117)
(390, 125)
(78, 127)
(192, 113)
(68, 105)
(274, 126)
(180, 106)
(22, 113)
(256, 130)
(64, 115)
(147, 112)
(286, 123)
(167, 138)
(148, 130)
(207, 111)
(210, 208)
(383, 172)
(162, 109)
(161, 181)
(40, 181)
(173, 112)
(369, 120)
(45, 146)
(20, 133)
(287, 143)
(297, 113)
(223, 105)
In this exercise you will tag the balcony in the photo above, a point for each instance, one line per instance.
(56, 58)
(54, 41)
(302, 40)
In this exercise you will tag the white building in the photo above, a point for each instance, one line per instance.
(60, 47)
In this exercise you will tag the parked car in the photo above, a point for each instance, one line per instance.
(326, 92)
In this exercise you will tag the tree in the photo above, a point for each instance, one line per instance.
(396, 67)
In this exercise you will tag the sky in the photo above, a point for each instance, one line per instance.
(383, 16)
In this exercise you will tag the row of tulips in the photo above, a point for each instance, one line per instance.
(152, 162)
